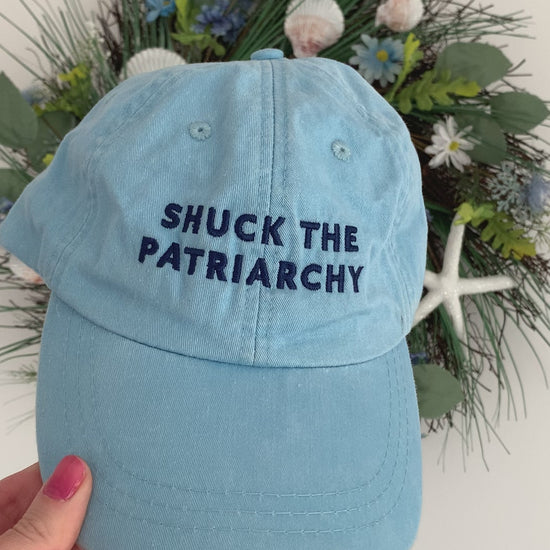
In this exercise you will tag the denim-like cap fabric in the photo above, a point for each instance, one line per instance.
(235, 252)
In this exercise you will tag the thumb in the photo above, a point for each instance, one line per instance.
(55, 516)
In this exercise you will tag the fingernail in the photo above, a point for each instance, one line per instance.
(66, 479)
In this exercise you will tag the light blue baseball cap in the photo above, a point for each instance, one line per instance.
(235, 252)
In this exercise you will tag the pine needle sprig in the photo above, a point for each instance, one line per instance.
(58, 41)
(264, 29)
(31, 315)
(447, 21)
(110, 21)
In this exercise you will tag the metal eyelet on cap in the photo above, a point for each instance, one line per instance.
(200, 130)
(340, 150)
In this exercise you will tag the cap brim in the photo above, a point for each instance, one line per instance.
(194, 454)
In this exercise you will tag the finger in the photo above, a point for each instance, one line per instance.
(55, 516)
(16, 494)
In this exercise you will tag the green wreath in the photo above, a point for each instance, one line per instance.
(484, 176)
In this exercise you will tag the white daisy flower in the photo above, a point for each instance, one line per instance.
(449, 145)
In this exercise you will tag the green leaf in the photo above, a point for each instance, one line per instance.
(202, 41)
(474, 215)
(52, 127)
(437, 390)
(472, 61)
(518, 112)
(501, 230)
(18, 123)
(183, 11)
(466, 213)
(12, 183)
(411, 56)
(491, 142)
(75, 96)
(434, 88)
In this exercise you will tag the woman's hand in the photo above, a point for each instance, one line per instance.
(44, 517)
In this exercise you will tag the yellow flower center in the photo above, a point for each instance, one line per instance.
(382, 55)
(454, 146)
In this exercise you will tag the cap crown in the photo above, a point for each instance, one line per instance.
(265, 213)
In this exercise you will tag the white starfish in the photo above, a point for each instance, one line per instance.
(447, 287)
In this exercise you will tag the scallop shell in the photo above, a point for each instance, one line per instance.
(313, 25)
(152, 59)
(23, 271)
(400, 15)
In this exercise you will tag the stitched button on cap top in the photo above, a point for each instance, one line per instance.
(268, 53)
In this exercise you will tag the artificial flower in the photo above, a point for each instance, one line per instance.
(419, 358)
(378, 60)
(222, 23)
(34, 95)
(93, 31)
(162, 8)
(448, 144)
(506, 190)
(399, 15)
(537, 194)
(5, 206)
(47, 159)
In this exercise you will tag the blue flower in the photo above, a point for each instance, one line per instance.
(5, 205)
(162, 8)
(378, 61)
(419, 358)
(222, 24)
(537, 194)
(33, 95)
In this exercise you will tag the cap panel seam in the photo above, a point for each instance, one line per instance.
(396, 264)
(268, 297)
(375, 123)
(72, 141)
(401, 272)
(268, 210)
(268, 342)
(90, 187)
(387, 124)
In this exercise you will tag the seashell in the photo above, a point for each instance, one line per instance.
(313, 25)
(151, 59)
(399, 15)
(23, 271)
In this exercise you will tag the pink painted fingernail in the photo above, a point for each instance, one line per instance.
(66, 479)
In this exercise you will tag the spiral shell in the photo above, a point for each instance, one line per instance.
(313, 25)
(150, 60)
(399, 15)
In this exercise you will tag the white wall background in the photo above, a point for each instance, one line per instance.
(465, 506)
